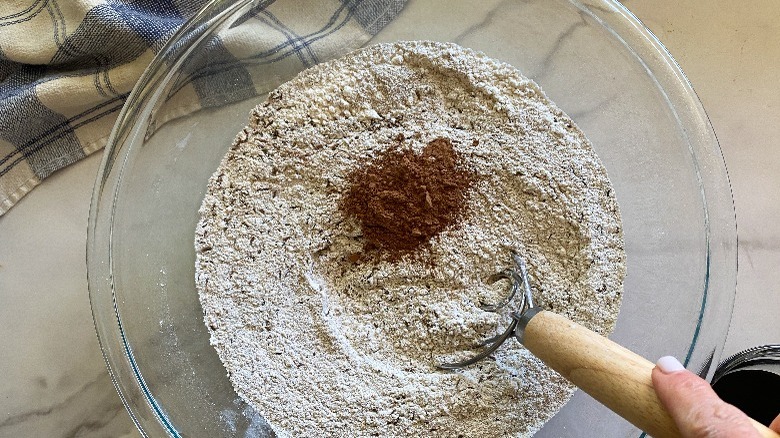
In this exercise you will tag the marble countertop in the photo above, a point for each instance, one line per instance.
(54, 379)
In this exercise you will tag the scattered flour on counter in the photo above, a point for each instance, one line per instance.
(322, 345)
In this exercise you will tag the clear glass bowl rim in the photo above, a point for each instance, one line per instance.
(624, 25)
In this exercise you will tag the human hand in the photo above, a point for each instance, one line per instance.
(695, 408)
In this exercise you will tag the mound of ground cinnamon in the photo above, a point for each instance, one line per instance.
(403, 199)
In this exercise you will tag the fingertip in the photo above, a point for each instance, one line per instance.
(775, 424)
(678, 388)
(693, 405)
(669, 365)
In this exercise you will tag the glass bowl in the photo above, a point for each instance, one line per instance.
(593, 58)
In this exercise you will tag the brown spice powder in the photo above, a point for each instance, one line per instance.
(403, 199)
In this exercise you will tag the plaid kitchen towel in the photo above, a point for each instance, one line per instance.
(66, 66)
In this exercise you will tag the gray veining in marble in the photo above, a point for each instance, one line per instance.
(54, 380)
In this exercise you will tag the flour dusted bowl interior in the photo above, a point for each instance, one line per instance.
(593, 59)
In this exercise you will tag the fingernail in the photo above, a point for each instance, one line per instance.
(669, 365)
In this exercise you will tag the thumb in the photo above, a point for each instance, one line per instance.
(775, 424)
(694, 406)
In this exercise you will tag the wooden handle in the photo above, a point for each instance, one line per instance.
(615, 376)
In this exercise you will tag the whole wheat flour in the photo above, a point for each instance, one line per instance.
(323, 345)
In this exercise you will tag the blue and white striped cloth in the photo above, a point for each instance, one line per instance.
(66, 67)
